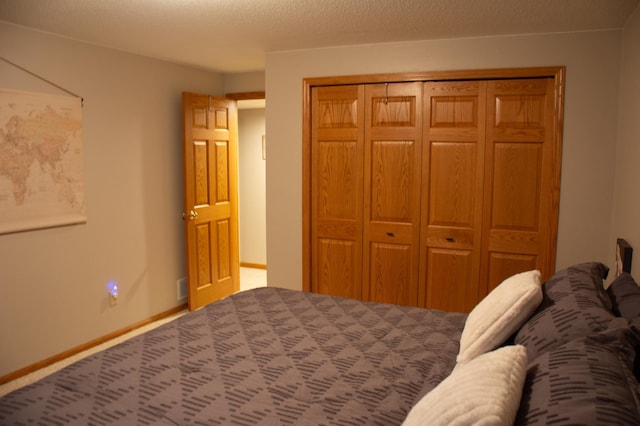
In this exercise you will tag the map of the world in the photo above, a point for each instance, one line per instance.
(41, 161)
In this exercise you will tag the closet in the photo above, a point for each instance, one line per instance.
(430, 192)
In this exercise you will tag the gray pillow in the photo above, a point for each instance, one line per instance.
(586, 381)
(625, 296)
(574, 305)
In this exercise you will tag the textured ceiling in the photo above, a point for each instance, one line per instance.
(234, 35)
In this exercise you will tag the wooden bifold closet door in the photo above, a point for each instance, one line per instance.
(430, 193)
(337, 153)
(452, 195)
(366, 191)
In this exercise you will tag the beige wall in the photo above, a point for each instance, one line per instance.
(626, 207)
(252, 188)
(592, 60)
(243, 82)
(53, 282)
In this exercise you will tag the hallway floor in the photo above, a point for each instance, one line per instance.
(252, 278)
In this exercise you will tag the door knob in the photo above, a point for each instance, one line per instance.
(192, 215)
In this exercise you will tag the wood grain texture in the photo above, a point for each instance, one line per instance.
(522, 177)
(392, 188)
(337, 276)
(335, 200)
(462, 176)
(452, 194)
(211, 198)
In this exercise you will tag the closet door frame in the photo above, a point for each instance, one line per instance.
(557, 73)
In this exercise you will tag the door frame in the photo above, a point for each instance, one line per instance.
(245, 96)
(557, 73)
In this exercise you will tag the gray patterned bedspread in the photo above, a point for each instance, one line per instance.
(263, 357)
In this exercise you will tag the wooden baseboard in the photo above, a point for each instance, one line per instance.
(59, 357)
(253, 265)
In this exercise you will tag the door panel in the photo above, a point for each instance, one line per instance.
(390, 275)
(392, 181)
(211, 209)
(339, 275)
(521, 181)
(453, 164)
(447, 268)
(504, 265)
(336, 188)
(516, 186)
(393, 121)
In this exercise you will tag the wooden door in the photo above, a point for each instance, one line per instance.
(336, 190)
(211, 197)
(488, 170)
(453, 171)
(392, 156)
(522, 180)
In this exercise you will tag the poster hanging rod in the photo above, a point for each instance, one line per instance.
(44, 79)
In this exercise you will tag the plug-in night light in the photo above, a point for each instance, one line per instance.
(112, 288)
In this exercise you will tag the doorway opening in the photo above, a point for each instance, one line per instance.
(252, 190)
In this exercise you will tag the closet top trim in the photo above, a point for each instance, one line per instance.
(556, 72)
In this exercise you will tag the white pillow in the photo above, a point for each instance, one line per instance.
(484, 391)
(500, 314)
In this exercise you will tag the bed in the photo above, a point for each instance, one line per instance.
(559, 352)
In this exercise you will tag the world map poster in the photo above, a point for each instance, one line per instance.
(41, 161)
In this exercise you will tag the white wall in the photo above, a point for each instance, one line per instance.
(53, 282)
(252, 187)
(626, 211)
(592, 61)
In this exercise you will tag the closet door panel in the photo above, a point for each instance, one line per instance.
(392, 181)
(336, 180)
(393, 118)
(453, 170)
(391, 222)
(452, 175)
(390, 274)
(516, 186)
(502, 266)
(336, 191)
(449, 268)
(521, 181)
(338, 276)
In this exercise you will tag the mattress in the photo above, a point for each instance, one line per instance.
(266, 356)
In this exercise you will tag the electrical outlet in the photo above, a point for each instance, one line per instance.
(181, 286)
